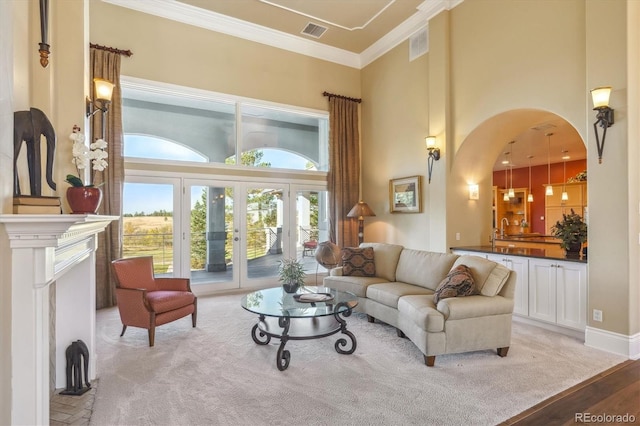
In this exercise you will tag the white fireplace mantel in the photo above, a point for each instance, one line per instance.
(44, 249)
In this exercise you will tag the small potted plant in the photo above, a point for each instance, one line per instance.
(291, 273)
(572, 231)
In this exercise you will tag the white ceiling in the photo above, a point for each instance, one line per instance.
(358, 32)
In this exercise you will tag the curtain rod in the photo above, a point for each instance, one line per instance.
(126, 53)
(330, 95)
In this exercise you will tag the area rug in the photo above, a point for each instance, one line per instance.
(216, 375)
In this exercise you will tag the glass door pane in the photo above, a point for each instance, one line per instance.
(148, 224)
(264, 229)
(212, 235)
(312, 228)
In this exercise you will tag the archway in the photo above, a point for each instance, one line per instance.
(477, 156)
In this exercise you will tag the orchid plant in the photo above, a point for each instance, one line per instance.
(94, 156)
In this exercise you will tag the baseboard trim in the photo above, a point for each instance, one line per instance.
(576, 334)
(616, 343)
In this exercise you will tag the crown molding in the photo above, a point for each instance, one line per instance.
(187, 14)
(426, 10)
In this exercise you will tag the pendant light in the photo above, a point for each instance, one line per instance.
(530, 196)
(505, 197)
(565, 196)
(549, 190)
(512, 193)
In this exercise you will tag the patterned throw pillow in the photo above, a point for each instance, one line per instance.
(358, 262)
(459, 282)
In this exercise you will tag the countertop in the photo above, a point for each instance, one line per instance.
(551, 253)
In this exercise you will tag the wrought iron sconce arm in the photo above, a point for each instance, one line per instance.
(434, 155)
(604, 119)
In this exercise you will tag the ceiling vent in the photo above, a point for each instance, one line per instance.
(314, 30)
(418, 44)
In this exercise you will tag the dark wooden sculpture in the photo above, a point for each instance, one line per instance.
(77, 355)
(27, 127)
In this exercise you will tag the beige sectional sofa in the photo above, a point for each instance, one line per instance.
(401, 294)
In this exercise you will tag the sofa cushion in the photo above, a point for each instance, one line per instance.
(389, 293)
(355, 285)
(386, 259)
(424, 268)
(421, 310)
(496, 280)
(358, 262)
(483, 273)
(458, 282)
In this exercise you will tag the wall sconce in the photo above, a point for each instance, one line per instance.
(104, 92)
(474, 191)
(600, 97)
(360, 210)
(434, 153)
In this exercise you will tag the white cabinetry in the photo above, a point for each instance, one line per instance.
(558, 292)
(521, 267)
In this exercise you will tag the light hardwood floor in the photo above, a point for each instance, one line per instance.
(614, 392)
(72, 410)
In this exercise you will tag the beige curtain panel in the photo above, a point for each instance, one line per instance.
(105, 64)
(344, 169)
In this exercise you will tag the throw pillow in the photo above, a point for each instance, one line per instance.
(459, 282)
(358, 262)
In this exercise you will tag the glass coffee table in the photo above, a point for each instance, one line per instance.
(311, 313)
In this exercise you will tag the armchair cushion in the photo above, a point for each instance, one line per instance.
(358, 262)
(164, 301)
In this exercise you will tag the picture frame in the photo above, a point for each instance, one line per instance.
(405, 195)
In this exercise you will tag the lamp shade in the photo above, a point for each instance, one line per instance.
(600, 96)
(104, 89)
(430, 141)
(328, 254)
(361, 209)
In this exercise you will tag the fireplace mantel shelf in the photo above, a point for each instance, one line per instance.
(39, 230)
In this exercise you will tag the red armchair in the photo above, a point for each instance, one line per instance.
(146, 301)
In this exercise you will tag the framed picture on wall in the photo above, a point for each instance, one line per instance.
(404, 195)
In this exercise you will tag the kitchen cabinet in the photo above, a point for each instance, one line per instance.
(558, 292)
(555, 207)
(521, 267)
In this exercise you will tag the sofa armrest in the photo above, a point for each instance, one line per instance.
(336, 272)
(454, 308)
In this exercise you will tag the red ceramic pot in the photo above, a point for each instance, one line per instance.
(83, 199)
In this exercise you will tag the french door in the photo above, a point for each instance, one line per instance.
(226, 234)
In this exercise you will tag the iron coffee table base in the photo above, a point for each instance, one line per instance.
(292, 328)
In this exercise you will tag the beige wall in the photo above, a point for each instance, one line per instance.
(527, 60)
(394, 112)
(172, 52)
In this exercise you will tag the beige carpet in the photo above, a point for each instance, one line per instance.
(216, 375)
